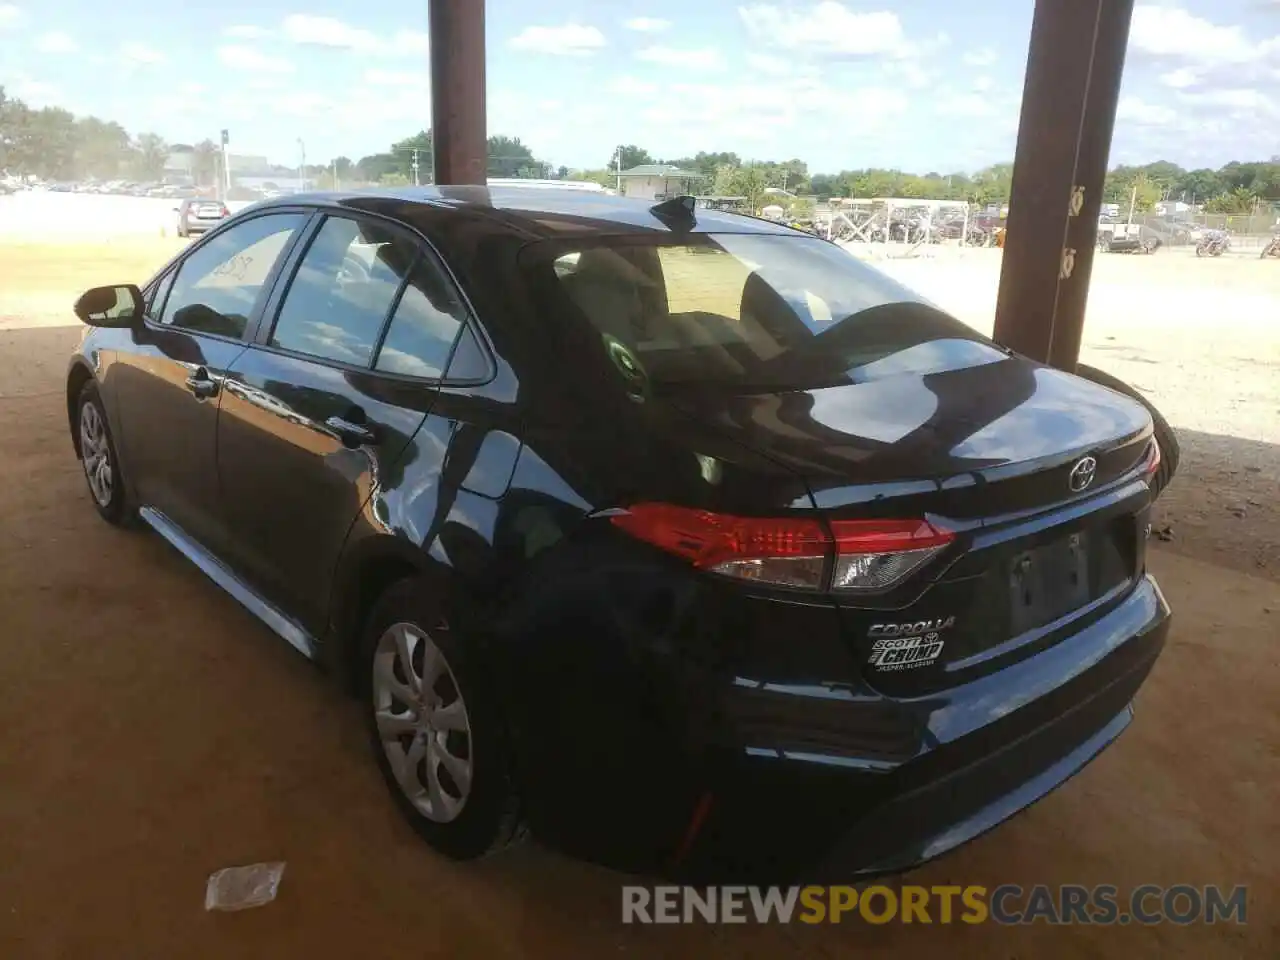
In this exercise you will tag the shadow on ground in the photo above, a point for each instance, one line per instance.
(1223, 506)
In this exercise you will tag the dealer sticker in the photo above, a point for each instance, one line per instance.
(905, 653)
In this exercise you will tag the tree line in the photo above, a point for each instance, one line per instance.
(1237, 187)
(54, 144)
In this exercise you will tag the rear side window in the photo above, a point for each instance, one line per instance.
(425, 325)
(345, 286)
(218, 284)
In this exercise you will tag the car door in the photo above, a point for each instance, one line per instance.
(168, 381)
(317, 413)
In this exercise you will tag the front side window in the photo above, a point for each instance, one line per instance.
(218, 285)
(155, 302)
(748, 311)
(345, 286)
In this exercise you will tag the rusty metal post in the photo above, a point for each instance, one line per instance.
(1091, 172)
(1053, 101)
(458, 91)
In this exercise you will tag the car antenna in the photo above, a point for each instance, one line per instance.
(677, 212)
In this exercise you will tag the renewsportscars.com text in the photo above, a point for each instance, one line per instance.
(1181, 904)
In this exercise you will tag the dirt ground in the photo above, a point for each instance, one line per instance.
(152, 732)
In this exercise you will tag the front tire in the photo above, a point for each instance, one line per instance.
(99, 459)
(436, 727)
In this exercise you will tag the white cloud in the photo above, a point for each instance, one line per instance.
(744, 115)
(828, 28)
(770, 65)
(35, 93)
(967, 105)
(1135, 110)
(647, 24)
(301, 104)
(141, 53)
(1173, 32)
(1249, 102)
(631, 86)
(572, 39)
(410, 42)
(252, 61)
(706, 58)
(1180, 79)
(55, 41)
(913, 73)
(981, 58)
(416, 79)
(327, 32)
(9, 15)
(982, 84)
(247, 32)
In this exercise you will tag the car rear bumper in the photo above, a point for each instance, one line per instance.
(879, 786)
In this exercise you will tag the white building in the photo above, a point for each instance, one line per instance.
(658, 181)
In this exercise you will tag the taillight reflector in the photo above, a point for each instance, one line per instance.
(1153, 460)
(868, 555)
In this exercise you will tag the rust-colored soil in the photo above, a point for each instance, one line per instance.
(152, 732)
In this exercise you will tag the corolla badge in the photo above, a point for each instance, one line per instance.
(1082, 474)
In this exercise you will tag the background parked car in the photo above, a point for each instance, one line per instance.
(198, 215)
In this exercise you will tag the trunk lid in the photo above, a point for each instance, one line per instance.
(992, 451)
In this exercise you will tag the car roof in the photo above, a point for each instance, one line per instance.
(536, 212)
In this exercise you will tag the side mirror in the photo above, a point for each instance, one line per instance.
(118, 306)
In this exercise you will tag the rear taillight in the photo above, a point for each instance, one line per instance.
(874, 555)
(1152, 463)
(861, 555)
(225, 211)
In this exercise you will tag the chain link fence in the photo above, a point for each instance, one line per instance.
(1247, 231)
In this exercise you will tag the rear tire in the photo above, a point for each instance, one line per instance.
(1170, 451)
(444, 754)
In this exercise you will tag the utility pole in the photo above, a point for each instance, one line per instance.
(302, 165)
(334, 163)
(226, 167)
(414, 165)
(617, 165)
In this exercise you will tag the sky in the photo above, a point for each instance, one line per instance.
(919, 85)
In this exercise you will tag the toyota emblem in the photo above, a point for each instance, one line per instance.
(1082, 474)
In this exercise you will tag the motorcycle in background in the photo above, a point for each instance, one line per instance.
(1214, 243)
(1272, 249)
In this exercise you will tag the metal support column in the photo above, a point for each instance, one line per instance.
(1060, 60)
(458, 91)
(1091, 172)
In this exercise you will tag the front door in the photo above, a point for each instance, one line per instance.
(169, 385)
(317, 414)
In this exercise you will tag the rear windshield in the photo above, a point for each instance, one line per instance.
(747, 311)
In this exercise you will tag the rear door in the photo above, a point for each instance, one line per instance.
(168, 382)
(317, 413)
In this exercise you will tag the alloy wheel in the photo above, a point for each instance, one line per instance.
(95, 454)
(422, 722)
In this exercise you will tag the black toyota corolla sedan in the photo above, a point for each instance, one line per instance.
(684, 538)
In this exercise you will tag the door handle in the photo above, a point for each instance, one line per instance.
(352, 434)
(201, 384)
